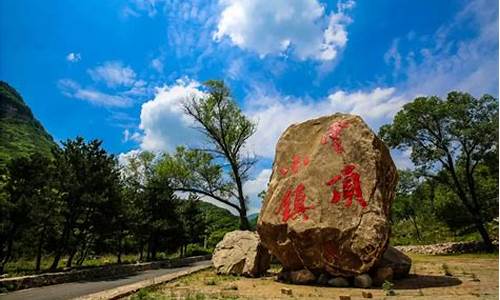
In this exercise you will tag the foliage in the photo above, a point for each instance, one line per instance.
(388, 288)
(453, 143)
(227, 130)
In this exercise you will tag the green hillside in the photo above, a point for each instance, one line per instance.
(219, 222)
(20, 133)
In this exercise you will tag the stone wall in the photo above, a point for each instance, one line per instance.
(23, 282)
(446, 248)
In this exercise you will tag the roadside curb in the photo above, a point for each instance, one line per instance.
(30, 281)
(126, 290)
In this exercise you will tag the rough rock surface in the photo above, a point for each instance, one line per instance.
(381, 275)
(241, 253)
(328, 200)
(338, 282)
(399, 262)
(363, 281)
(302, 277)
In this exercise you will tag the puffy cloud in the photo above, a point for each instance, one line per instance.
(275, 27)
(253, 187)
(273, 114)
(72, 89)
(162, 119)
(73, 57)
(114, 74)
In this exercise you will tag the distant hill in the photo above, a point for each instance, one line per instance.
(252, 219)
(219, 222)
(21, 134)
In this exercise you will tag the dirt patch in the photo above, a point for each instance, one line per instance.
(468, 277)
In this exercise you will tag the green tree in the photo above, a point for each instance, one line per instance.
(31, 201)
(193, 222)
(88, 177)
(449, 139)
(227, 129)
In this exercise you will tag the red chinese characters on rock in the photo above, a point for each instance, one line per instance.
(351, 187)
(333, 133)
(299, 204)
(292, 209)
(295, 167)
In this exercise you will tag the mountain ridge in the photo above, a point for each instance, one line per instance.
(21, 134)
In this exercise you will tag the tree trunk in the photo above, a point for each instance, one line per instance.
(244, 224)
(10, 242)
(473, 208)
(141, 251)
(55, 262)
(69, 263)
(119, 254)
(39, 251)
(416, 228)
(63, 242)
(484, 233)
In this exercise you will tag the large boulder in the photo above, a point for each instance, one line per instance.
(328, 200)
(241, 253)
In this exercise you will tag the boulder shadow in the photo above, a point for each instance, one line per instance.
(416, 281)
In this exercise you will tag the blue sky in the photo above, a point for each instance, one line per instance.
(117, 70)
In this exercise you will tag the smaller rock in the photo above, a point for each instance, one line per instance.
(363, 281)
(338, 282)
(367, 295)
(286, 291)
(241, 253)
(344, 297)
(322, 279)
(382, 274)
(283, 276)
(399, 262)
(303, 276)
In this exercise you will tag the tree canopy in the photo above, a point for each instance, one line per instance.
(451, 141)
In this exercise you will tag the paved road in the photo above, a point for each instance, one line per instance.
(77, 289)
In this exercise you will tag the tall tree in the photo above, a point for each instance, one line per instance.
(449, 139)
(31, 201)
(227, 130)
(88, 177)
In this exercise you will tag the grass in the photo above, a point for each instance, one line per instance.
(153, 294)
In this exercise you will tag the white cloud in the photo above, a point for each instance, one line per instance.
(73, 57)
(273, 114)
(137, 7)
(253, 187)
(72, 89)
(443, 63)
(131, 136)
(402, 159)
(157, 65)
(162, 119)
(275, 27)
(114, 74)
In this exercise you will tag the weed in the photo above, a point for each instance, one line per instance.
(474, 277)
(210, 282)
(446, 270)
(387, 286)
